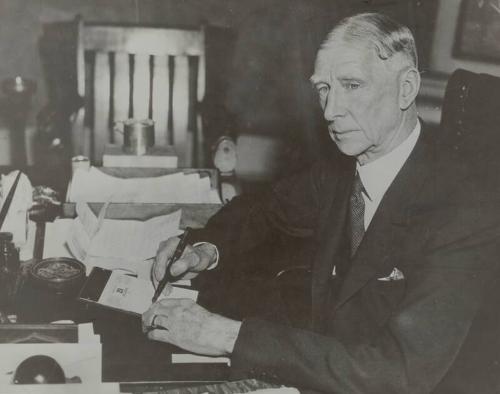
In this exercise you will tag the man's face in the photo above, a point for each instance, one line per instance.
(358, 93)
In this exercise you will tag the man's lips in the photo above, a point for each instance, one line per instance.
(340, 131)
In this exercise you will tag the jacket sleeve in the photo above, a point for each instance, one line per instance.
(291, 207)
(413, 349)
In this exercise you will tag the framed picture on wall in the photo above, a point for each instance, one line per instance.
(478, 31)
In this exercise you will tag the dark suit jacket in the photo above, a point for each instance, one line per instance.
(371, 336)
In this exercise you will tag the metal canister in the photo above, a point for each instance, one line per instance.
(138, 136)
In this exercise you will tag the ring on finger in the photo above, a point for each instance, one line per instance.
(155, 326)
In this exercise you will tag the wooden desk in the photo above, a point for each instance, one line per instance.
(241, 386)
(127, 354)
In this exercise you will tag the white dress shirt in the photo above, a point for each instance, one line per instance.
(378, 175)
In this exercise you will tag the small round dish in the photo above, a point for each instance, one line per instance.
(60, 274)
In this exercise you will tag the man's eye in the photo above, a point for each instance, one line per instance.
(322, 90)
(352, 85)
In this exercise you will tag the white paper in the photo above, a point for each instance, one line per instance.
(26, 250)
(131, 294)
(188, 358)
(118, 243)
(16, 220)
(86, 334)
(279, 390)
(95, 186)
(55, 238)
(69, 388)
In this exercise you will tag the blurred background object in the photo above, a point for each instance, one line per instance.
(15, 108)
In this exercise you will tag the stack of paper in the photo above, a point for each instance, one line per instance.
(156, 157)
(95, 186)
(113, 244)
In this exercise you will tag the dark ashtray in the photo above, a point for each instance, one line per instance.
(60, 274)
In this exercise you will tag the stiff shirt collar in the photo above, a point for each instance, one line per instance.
(378, 175)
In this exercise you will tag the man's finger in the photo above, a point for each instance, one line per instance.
(159, 335)
(156, 309)
(188, 260)
(180, 267)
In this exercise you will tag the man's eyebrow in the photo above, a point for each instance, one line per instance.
(315, 79)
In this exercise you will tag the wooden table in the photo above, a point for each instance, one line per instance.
(127, 354)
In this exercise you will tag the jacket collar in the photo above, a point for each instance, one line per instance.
(393, 214)
(331, 232)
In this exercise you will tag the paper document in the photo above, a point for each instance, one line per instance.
(112, 243)
(189, 358)
(55, 238)
(86, 334)
(95, 186)
(279, 390)
(97, 388)
(131, 294)
(16, 220)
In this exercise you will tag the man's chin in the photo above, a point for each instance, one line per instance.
(349, 148)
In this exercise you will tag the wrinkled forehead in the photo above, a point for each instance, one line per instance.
(341, 56)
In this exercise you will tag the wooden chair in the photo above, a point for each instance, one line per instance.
(140, 72)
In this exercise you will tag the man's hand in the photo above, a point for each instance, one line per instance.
(187, 325)
(193, 260)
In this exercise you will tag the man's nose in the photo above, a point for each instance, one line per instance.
(334, 106)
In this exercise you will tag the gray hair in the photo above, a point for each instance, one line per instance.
(385, 35)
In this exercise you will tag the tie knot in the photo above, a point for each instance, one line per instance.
(357, 186)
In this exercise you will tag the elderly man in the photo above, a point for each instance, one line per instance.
(402, 245)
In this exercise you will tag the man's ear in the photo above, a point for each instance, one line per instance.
(409, 87)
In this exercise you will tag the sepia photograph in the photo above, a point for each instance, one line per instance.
(250, 196)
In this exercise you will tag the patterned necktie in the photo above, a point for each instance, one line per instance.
(357, 214)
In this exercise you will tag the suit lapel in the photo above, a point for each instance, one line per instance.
(331, 233)
(392, 215)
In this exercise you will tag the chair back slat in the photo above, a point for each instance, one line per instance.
(121, 92)
(201, 83)
(102, 84)
(182, 136)
(160, 96)
(140, 87)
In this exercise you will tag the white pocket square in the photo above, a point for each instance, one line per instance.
(396, 274)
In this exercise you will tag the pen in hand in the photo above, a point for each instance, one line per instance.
(168, 277)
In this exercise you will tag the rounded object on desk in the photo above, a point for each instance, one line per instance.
(225, 155)
(59, 274)
(39, 369)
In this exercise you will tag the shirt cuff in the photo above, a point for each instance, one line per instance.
(215, 262)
